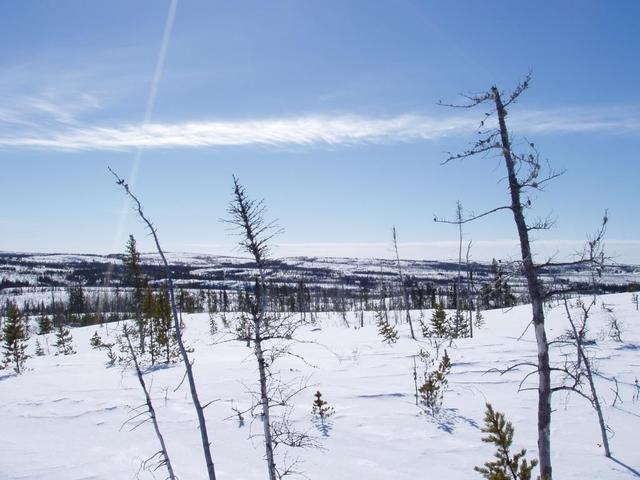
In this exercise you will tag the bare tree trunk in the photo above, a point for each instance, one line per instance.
(152, 413)
(206, 444)
(535, 294)
(405, 292)
(264, 401)
(248, 217)
(583, 359)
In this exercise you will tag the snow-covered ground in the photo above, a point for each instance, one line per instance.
(63, 418)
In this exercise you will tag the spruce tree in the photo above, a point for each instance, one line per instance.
(15, 337)
(44, 325)
(39, 350)
(64, 341)
(165, 338)
(320, 408)
(435, 382)
(135, 279)
(387, 331)
(439, 322)
(506, 466)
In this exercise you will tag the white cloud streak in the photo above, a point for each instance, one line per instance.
(313, 130)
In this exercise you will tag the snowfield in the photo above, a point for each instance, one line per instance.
(63, 418)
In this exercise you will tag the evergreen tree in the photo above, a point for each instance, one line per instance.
(76, 299)
(165, 339)
(320, 408)
(387, 331)
(64, 341)
(39, 350)
(44, 325)
(435, 382)
(134, 277)
(439, 322)
(149, 314)
(505, 466)
(14, 339)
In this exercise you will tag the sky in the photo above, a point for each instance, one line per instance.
(326, 110)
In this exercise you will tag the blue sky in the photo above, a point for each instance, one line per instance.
(328, 110)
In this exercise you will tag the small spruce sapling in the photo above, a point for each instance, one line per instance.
(98, 344)
(39, 349)
(321, 410)
(506, 466)
(64, 341)
(431, 391)
(387, 331)
(44, 325)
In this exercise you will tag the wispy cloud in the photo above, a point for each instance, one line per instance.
(308, 130)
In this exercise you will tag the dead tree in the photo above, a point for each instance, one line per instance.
(403, 285)
(581, 367)
(162, 453)
(247, 218)
(204, 435)
(459, 220)
(525, 173)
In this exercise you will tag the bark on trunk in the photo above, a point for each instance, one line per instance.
(536, 296)
(152, 411)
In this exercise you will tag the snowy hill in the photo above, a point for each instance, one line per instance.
(63, 418)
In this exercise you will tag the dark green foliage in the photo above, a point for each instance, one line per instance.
(165, 341)
(14, 338)
(98, 344)
(435, 382)
(76, 299)
(321, 408)
(440, 322)
(39, 350)
(44, 325)
(387, 331)
(136, 279)
(64, 341)
(505, 466)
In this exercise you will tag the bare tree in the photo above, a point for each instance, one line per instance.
(525, 173)
(247, 217)
(204, 435)
(150, 411)
(581, 367)
(403, 285)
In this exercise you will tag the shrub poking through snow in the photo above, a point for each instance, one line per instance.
(321, 409)
(39, 350)
(431, 391)
(98, 344)
(387, 331)
(506, 466)
(64, 341)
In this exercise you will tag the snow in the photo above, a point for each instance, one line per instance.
(63, 418)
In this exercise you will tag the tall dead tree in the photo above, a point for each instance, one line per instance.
(247, 218)
(582, 367)
(204, 435)
(403, 285)
(524, 174)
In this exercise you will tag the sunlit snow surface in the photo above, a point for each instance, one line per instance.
(63, 418)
